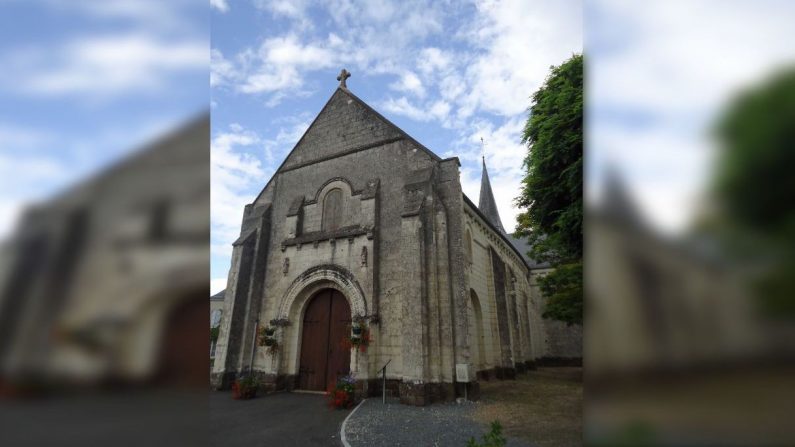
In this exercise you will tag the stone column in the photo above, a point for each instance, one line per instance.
(413, 318)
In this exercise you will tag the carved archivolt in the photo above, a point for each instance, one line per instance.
(321, 277)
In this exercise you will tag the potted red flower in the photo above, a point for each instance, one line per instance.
(342, 395)
(245, 387)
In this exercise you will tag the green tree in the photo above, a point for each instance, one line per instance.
(552, 187)
(754, 187)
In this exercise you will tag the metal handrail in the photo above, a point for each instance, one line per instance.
(383, 382)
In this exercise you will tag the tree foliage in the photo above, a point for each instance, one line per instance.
(552, 187)
(753, 179)
(563, 290)
(755, 188)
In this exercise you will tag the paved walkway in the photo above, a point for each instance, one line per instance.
(280, 419)
(393, 424)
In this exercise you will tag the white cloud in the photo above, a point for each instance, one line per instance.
(33, 177)
(104, 65)
(433, 60)
(10, 211)
(409, 82)
(144, 14)
(222, 72)
(294, 9)
(276, 149)
(520, 40)
(356, 12)
(279, 62)
(233, 176)
(238, 175)
(370, 37)
(20, 138)
(402, 106)
(217, 285)
(440, 110)
(220, 5)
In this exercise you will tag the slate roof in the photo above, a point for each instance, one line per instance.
(523, 247)
(218, 296)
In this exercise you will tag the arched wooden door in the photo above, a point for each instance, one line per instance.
(182, 361)
(323, 356)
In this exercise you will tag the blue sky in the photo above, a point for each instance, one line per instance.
(86, 82)
(448, 73)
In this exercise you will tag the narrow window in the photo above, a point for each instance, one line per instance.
(468, 246)
(332, 210)
(158, 223)
(216, 318)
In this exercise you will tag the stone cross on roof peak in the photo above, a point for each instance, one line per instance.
(344, 74)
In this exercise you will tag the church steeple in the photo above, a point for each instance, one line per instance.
(486, 204)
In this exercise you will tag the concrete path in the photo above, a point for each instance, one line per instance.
(280, 419)
(393, 424)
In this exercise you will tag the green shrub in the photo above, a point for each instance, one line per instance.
(493, 438)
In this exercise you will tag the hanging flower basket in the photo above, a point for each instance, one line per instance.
(358, 338)
(267, 337)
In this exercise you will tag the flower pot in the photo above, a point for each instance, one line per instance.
(357, 330)
(269, 332)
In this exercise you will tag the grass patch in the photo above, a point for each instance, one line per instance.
(543, 407)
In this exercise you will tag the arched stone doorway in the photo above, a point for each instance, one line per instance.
(324, 358)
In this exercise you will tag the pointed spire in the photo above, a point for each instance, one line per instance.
(486, 204)
(616, 202)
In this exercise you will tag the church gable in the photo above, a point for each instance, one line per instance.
(344, 125)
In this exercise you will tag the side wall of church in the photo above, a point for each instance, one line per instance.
(506, 331)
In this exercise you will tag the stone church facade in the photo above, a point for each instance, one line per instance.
(362, 223)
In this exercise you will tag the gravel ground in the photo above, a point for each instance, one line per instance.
(393, 424)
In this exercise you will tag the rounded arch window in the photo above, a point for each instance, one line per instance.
(332, 210)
